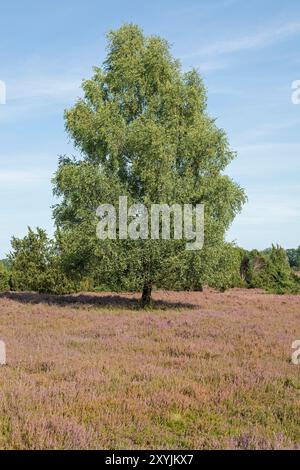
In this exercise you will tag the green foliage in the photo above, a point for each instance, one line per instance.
(143, 132)
(270, 270)
(35, 265)
(4, 277)
(227, 273)
(5, 262)
(294, 257)
(217, 266)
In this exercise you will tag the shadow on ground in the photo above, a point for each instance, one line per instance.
(129, 301)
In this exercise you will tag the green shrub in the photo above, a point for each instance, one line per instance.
(270, 270)
(294, 258)
(35, 265)
(4, 278)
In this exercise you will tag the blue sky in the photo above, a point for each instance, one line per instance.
(247, 52)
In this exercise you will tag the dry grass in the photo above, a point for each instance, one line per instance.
(93, 372)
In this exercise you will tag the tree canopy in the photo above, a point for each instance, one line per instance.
(143, 131)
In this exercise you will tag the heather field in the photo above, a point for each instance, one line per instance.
(201, 370)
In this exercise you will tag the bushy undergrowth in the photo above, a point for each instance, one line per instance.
(269, 270)
(4, 278)
(293, 255)
(36, 263)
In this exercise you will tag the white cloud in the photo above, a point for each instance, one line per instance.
(269, 209)
(271, 216)
(269, 128)
(34, 86)
(207, 8)
(269, 173)
(17, 178)
(52, 88)
(212, 65)
(260, 39)
(28, 96)
(268, 160)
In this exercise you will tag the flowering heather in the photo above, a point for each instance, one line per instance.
(200, 370)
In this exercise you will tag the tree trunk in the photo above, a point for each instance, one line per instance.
(146, 297)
